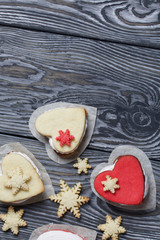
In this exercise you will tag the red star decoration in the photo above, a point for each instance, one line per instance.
(65, 137)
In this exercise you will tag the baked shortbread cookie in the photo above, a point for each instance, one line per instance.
(65, 128)
(111, 228)
(13, 220)
(19, 180)
(69, 199)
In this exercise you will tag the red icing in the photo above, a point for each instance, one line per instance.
(63, 231)
(65, 137)
(130, 179)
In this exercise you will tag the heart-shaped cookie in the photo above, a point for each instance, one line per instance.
(59, 234)
(127, 180)
(62, 231)
(65, 128)
(20, 179)
(130, 182)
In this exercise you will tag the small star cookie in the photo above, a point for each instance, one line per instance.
(111, 228)
(17, 181)
(12, 220)
(110, 184)
(82, 165)
(69, 199)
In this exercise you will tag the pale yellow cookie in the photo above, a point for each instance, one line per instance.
(82, 165)
(111, 228)
(58, 122)
(12, 220)
(19, 179)
(69, 199)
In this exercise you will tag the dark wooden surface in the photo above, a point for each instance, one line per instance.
(126, 21)
(121, 81)
(83, 52)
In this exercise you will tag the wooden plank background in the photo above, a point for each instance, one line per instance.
(131, 22)
(100, 53)
(123, 84)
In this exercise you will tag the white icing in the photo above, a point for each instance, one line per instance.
(51, 143)
(107, 168)
(59, 235)
(111, 167)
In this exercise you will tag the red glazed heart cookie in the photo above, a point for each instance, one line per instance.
(125, 180)
(130, 180)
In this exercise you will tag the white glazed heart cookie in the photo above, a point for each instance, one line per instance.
(20, 179)
(62, 232)
(59, 235)
(65, 128)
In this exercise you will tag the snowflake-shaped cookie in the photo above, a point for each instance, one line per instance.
(82, 165)
(111, 228)
(17, 181)
(69, 199)
(65, 138)
(110, 184)
(12, 220)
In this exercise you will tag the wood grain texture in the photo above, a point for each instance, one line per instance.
(127, 21)
(121, 81)
(139, 226)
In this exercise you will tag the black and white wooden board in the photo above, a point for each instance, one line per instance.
(100, 53)
(125, 21)
(122, 81)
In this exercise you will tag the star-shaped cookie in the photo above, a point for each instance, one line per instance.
(111, 228)
(17, 181)
(69, 199)
(12, 220)
(82, 165)
(65, 137)
(110, 184)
